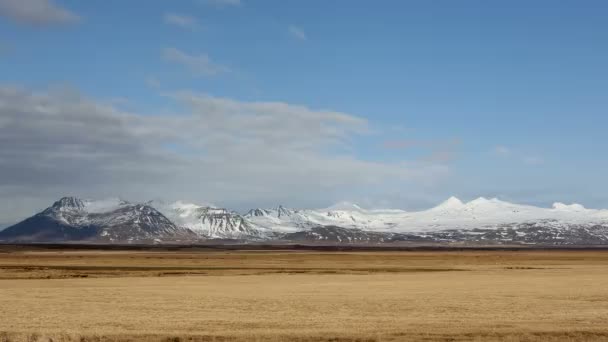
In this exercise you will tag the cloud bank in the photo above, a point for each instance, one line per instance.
(199, 65)
(59, 142)
(297, 32)
(221, 3)
(37, 12)
(182, 21)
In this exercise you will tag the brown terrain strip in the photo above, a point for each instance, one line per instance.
(285, 295)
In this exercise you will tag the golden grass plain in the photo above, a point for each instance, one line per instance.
(214, 295)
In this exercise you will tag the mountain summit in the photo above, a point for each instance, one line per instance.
(482, 219)
(209, 222)
(74, 219)
(452, 203)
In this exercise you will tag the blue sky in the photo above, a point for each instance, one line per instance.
(486, 98)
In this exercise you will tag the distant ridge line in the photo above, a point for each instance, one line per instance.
(285, 247)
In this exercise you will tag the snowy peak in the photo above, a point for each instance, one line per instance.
(135, 221)
(69, 203)
(344, 206)
(451, 203)
(258, 212)
(185, 206)
(207, 221)
(568, 207)
(481, 201)
(494, 207)
(113, 220)
(282, 211)
(451, 214)
(105, 205)
(486, 201)
(278, 212)
(89, 206)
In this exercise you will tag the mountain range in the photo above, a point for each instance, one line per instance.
(481, 221)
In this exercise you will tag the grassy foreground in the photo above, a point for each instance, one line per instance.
(303, 296)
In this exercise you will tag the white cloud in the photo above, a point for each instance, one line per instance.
(221, 3)
(533, 160)
(297, 32)
(182, 21)
(502, 151)
(153, 82)
(266, 124)
(221, 150)
(37, 12)
(435, 151)
(200, 65)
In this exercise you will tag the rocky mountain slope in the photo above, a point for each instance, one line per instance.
(208, 221)
(73, 219)
(478, 221)
(449, 215)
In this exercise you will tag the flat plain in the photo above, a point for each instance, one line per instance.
(283, 295)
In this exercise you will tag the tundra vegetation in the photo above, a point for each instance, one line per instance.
(283, 295)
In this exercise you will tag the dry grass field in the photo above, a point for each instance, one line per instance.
(214, 295)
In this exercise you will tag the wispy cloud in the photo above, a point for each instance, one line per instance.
(57, 143)
(153, 82)
(182, 21)
(401, 144)
(221, 3)
(533, 160)
(436, 151)
(508, 153)
(200, 65)
(502, 151)
(297, 32)
(37, 12)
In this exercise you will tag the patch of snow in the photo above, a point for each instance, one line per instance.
(344, 206)
(568, 207)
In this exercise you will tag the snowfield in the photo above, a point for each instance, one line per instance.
(451, 214)
(482, 219)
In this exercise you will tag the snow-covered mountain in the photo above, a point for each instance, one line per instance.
(209, 222)
(451, 214)
(480, 220)
(282, 220)
(113, 220)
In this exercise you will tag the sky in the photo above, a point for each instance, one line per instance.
(255, 103)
